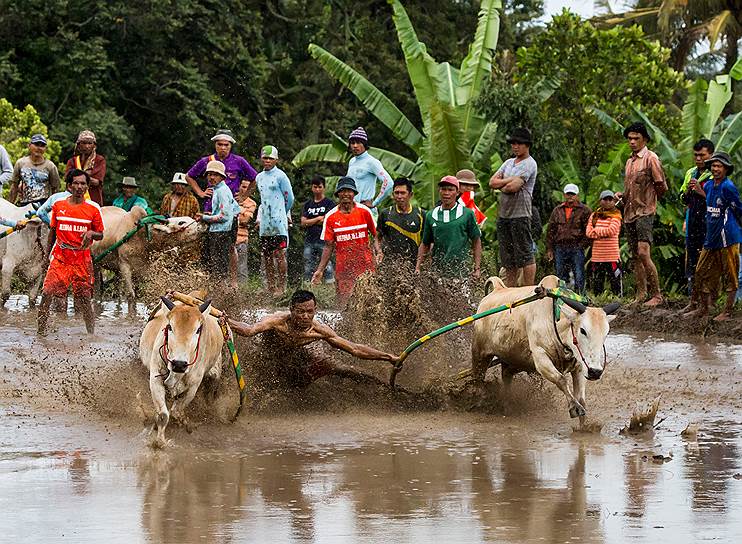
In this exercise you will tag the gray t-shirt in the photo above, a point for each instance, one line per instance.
(36, 182)
(518, 204)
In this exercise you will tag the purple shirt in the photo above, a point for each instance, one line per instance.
(237, 169)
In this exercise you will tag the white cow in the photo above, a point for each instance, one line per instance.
(526, 338)
(179, 345)
(23, 251)
(132, 258)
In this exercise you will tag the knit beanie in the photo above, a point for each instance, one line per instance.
(359, 134)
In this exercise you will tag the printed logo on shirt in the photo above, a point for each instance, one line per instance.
(350, 236)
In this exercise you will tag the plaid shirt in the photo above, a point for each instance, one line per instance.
(187, 206)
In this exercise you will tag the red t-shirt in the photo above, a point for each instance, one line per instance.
(350, 232)
(71, 221)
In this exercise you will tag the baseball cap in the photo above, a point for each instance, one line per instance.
(572, 188)
(38, 139)
(269, 152)
(607, 193)
(449, 180)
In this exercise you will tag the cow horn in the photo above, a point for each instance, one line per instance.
(575, 305)
(204, 306)
(611, 308)
(167, 302)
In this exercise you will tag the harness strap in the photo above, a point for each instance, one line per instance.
(163, 351)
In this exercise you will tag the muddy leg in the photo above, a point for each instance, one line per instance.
(578, 389)
(481, 360)
(507, 376)
(728, 310)
(157, 389)
(179, 406)
(546, 368)
(43, 318)
(83, 303)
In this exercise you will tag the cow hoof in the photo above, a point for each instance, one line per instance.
(576, 410)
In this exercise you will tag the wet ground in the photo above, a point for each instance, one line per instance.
(360, 465)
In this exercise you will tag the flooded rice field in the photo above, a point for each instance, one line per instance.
(348, 463)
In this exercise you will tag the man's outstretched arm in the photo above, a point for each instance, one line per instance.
(362, 351)
(245, 329)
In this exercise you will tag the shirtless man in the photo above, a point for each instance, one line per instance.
(292, 353)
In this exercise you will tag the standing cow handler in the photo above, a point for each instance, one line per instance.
(293, 356)
(75, 223)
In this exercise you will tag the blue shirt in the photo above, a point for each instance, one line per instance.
(365, 170)
(723, 210)
(46, 208)
(223, 208)
(276, 199)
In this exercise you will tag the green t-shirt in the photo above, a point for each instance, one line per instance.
(451, 233)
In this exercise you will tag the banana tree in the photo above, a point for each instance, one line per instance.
(453, 135)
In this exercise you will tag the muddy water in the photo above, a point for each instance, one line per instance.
(75, 467)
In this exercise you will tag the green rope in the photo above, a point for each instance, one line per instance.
(557, 294)
(145, 221)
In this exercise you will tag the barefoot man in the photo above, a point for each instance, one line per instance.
(291, 350)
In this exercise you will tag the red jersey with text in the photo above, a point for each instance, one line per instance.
(350, 232)
(70, 222)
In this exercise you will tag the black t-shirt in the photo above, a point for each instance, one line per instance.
(401, 233)
(314, 209)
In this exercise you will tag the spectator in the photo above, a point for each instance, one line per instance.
(276, 199)
(6, 167)
(451, 230)
(346, 230)
(75, 224)
(312, 215)
(695, 217)
(565, 236)
(237, 168)
(179, 202)
(365, 169)
(469, 185)
(516, 179)
(603, 228)
(400, 228)
(247, 212)
(644, 183)
(87, 159)
(129, 197)
(719, 259)
(220, 240)
(34, 177)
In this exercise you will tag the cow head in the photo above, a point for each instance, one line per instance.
(589, 328)
(185, 228)
(182, 337)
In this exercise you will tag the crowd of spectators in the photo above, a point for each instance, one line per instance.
(349, 234)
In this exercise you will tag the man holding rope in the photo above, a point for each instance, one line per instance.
(75, 223)
(292, 355)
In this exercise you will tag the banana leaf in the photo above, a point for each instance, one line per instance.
(393, 162)
(729, 137)
(719, 94)
(320, 153)
(375, 101)
(736, 71)
(484, 144)
(420, 65)
(695, 113)
(477, 65)
(660, 142)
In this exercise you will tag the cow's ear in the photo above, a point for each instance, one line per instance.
(167, 302)
(611, 317)
(204, 308)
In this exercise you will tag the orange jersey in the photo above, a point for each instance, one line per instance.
(350, 232)
(71, 222)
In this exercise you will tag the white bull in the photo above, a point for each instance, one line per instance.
(22, 251)
(526, 338)
(180, 345)
(132, 258)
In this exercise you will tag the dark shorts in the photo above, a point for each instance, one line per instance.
(516, 242)
(219, 250)
(639, 230)
(233, 232)
(269, 244)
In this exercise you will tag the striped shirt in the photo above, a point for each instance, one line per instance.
(605, 239)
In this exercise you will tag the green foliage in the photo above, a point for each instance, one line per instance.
(17, 127)
(452, 130)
